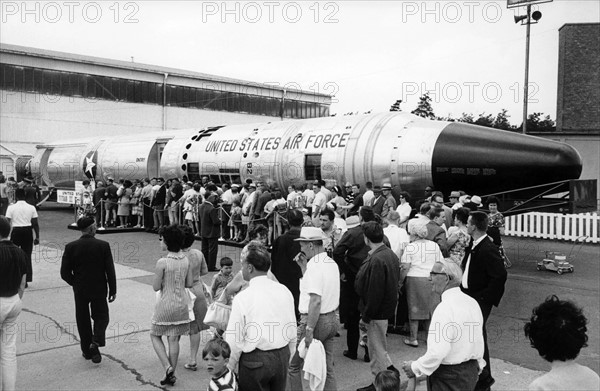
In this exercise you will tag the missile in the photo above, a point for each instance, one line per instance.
(407, 151)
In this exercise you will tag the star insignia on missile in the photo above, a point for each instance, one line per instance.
(89, 166)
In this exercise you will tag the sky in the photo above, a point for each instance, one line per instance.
(470, 55)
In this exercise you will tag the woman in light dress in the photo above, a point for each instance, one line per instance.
(419, 257)
(171, 316)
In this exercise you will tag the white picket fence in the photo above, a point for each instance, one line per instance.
(571, 227)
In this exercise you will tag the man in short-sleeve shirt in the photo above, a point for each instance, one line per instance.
(319, 298)
(24, 218)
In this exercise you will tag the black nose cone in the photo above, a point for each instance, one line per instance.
(482, 160)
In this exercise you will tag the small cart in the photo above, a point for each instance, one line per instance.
(556, 262)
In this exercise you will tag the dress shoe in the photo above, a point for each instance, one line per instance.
(370, 387)
(169, 377)
(484, 384)
(351, 356)
(95, 353)
(87, 356)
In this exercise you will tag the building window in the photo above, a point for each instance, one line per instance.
(36, 80)
(28, 76)
(19, 79)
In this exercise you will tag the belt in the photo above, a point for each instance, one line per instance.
(323, 314)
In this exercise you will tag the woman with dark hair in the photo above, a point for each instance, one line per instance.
(404, 209)
(557, 330)
(198, 268)
(124, 193)
(337, 199)
(458, 237)
(496, 227)
(171, 317)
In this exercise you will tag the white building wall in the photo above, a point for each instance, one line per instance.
(27, 117)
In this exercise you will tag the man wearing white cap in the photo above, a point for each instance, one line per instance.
(474, 204)
(319, 298)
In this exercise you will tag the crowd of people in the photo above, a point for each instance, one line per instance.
(313, 261)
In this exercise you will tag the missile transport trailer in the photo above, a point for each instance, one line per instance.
(407, 151)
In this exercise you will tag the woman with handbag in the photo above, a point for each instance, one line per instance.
(198, 268)
(171, 317)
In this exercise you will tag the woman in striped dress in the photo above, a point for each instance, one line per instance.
(171, 317)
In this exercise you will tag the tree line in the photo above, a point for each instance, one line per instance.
(536, 122)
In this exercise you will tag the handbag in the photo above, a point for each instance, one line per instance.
(191, 300)
(217, 315)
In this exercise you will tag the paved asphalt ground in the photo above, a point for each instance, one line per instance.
(49, 356)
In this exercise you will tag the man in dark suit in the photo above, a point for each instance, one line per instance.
(483, 279)
(98, 198)
(378, 201)
(210, 230)
(87, 265)
(435, 232)
(349, 253)
(285, 248)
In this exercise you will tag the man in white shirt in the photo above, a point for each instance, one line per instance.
(146, 200)
(319, 298)
(319, 203)
(309, 196)
(262, 326)
(397, 236)
(454, 354)
(325, 190)
(23, 218)
(369, 195)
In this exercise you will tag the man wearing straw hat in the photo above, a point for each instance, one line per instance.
(390, 202)
(319, 298)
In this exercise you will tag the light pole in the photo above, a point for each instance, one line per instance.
(526, 85)
(527, 20)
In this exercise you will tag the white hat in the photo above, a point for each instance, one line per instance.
(386, 186)
(476, 200)
(352, 221)
(310, 234)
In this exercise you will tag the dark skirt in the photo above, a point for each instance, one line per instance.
(421, 299)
